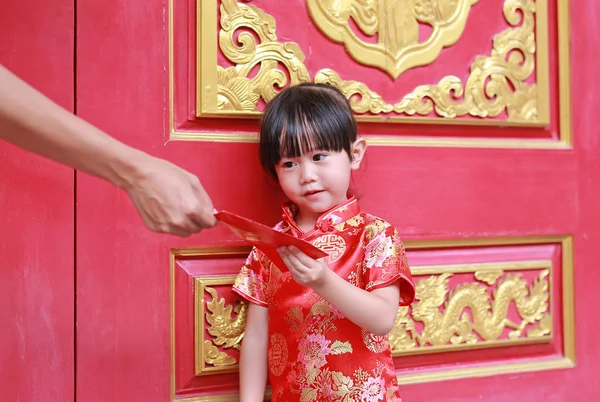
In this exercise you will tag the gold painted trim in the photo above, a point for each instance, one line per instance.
(565, 135)
(234, 397)
(489, 371)
(484, 241)
(172, 321)
(206, 71)
(568, 302)
(171, 73)
(569, 341)
(484, 266)
(203, 251)
(392, 141)
(564, 73)
(542, 70)
(475, 346)
(419, 378)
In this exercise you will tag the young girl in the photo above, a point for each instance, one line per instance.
(319, 327)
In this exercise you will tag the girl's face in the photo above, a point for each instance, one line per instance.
(319, 180)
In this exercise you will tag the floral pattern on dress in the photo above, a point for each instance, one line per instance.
(326, 356)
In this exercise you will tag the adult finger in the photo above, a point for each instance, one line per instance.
(203, 214)
(174, 230)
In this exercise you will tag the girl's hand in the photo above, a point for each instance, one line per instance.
(305, 270)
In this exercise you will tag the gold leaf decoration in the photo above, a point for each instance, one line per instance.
(338, 348)
(234, 91)
(225, 330)
(497, 83)
(403, 335)
(543, 328)
(213, 356)
(489, 277)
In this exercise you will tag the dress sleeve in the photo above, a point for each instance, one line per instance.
(252, 281)
(385, 261)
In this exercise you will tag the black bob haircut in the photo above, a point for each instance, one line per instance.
(303, 118)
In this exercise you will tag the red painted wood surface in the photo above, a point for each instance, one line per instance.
(37, 296)
(123, 342)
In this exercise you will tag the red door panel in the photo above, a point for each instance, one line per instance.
(137, 322)
(37, 293)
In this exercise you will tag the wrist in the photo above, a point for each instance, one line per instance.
(127, 168)
(325, 282)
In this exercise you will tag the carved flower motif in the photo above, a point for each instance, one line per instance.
(235, 92)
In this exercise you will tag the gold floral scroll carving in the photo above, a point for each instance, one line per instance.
(443, 317)
(498, 83)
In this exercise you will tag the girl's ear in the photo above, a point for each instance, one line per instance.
(359, 147)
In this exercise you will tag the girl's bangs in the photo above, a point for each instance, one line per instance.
(299, 137)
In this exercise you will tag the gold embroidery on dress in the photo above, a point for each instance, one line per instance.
(334, 245)
(278, 354)
(375, 343)
(295, 319)
(353, 222)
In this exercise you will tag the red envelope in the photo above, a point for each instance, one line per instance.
(267, 239)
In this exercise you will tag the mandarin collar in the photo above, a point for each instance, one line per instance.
(326, 222)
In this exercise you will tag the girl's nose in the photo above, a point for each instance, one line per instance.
(308, 173)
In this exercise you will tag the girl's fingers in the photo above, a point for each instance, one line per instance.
(287, 257)
(301, 257)
(298, 262)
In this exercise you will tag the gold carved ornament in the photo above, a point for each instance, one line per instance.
(488, 317)
(395, 23)
(226, 331)
(442, 312)
(497, 83)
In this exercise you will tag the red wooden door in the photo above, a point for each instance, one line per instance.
(488, 207)
(37, 297)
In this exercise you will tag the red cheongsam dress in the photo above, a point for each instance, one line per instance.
(314, 352)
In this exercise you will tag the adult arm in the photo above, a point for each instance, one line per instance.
(168, 198)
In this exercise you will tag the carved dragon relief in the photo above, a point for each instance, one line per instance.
(497, 83)
(442, 315)
(488, 317)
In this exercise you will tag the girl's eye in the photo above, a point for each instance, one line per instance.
(319, 157)
(287, 164)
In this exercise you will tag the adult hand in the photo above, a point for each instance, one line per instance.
(169, 199)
